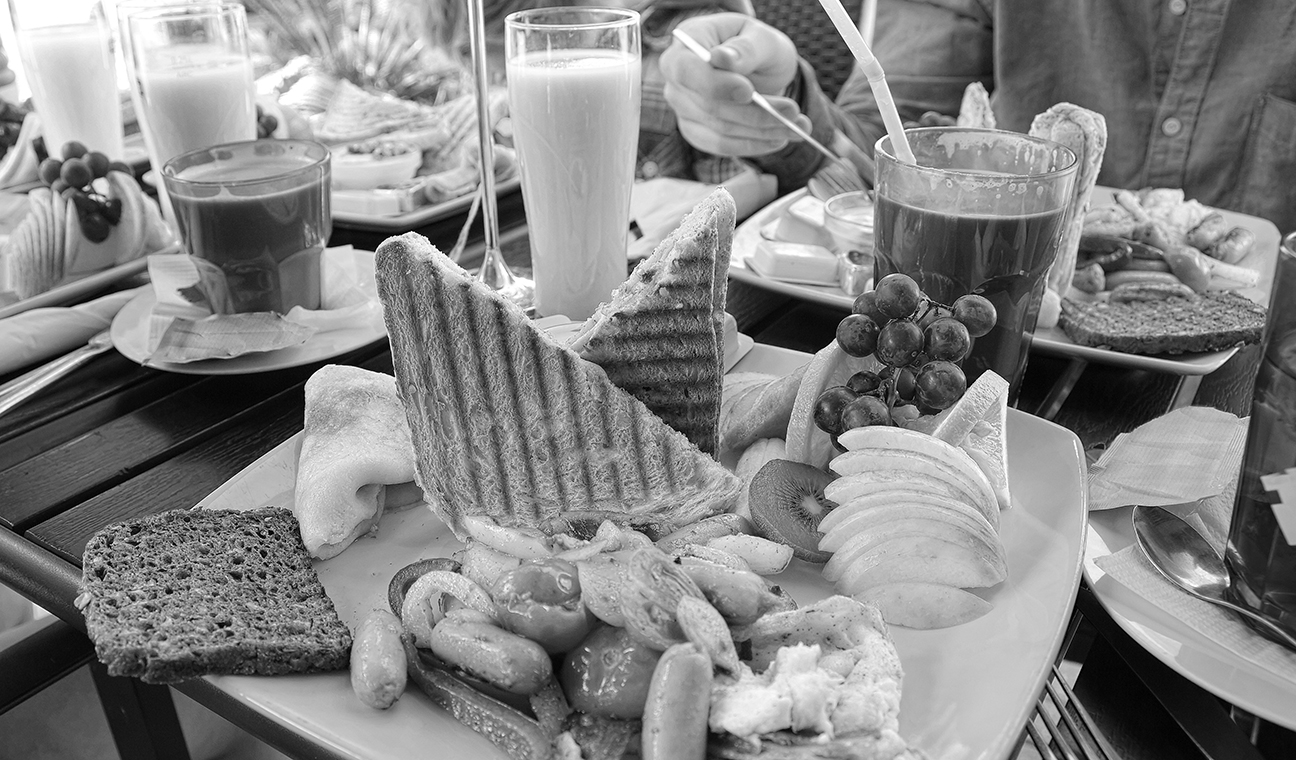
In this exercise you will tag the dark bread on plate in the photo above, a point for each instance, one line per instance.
(193, 592)
(1207, 322)
(661, 335)
(509, 424)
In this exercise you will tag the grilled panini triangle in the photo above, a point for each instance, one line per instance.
(661, 336)
(508, 423)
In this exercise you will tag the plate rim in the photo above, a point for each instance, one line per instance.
(1052, 341)
(421, 215)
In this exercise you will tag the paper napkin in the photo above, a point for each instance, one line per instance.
(187, 324)
(658, 205)
(41, 334)
(1189, 454)
(1187, 461)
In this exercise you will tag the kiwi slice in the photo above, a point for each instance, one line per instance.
(787, 502)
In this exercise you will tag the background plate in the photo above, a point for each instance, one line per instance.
(1192, 655)
(968, 690)
(1262, 258)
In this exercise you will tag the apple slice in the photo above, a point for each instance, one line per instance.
(965, 475)
(924, 605)
(879, 444)
(879, 507)
(921, 559)
(864, 540)
(849, 487)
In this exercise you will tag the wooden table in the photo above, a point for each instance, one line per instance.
(115, 440)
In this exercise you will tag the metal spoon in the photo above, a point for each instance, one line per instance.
(1186, 559)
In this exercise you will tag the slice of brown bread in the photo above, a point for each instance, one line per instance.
(510, 424)
(194, 592)
(1208, 322)
(661, 335)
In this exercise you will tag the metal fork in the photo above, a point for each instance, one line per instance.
(851, 171)
(23, 387)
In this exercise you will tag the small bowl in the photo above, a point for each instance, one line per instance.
(849, 220)
(366, 171)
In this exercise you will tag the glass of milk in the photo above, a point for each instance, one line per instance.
(66, 57)
(191, 75)
(573, 84)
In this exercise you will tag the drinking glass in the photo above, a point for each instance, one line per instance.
(981, 212)
(66, 53)
(573, 83)
(191, 75)
(1261, 551)
(259, 210)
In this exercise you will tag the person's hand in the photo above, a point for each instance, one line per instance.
(6, 74)
(712, 102)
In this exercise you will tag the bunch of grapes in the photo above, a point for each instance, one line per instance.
(73, 176)
(921, 345)
(267, 123)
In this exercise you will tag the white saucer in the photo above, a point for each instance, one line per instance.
(130, 336)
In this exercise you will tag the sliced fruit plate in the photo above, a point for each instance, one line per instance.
(946, 707)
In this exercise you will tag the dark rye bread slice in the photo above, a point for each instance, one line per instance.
(510, 424)
(1208, 322)
(194, 592)
(661, 335)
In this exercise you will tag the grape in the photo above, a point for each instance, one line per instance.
(112, 210)
(828, 408)
(121, 166)
(933, 312)
(95, 227)
(49, 170)
(899, 343)
(266, 125)
(857, 335)
(976, 313)
(864, 382)
(85, 205)
(940, 385)
(73, 149)
(98, 163)
(902, 379)
(947, 340)
(865, 411)
(76, 173)
(897, 295)
(866, 304)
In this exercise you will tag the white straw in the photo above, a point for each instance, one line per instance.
(876, 78)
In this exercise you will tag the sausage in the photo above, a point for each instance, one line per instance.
(505, 660)
(679, 700)
(378, 666)
(1234, 246)
(1127, 276)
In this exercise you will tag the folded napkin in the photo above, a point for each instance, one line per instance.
(1188, 462)
(41, 334)
(186, 323)
(658, 205)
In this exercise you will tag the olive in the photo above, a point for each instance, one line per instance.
(541, 600)
(608, 674)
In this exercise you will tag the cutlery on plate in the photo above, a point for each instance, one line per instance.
(1184, 557)
(25, 386)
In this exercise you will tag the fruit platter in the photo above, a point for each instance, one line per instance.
(856, 552)
(1260, 259)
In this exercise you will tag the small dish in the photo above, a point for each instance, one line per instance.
(367, 171)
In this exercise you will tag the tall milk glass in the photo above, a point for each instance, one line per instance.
(191, 75)
(66, 54)
(573, 83)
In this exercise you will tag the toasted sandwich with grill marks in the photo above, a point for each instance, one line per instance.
(661, 335)
(508, 423)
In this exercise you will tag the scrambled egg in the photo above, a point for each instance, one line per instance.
(842, 692)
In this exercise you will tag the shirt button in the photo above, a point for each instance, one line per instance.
(650, 169)
(1177, 7)
(1171, 127)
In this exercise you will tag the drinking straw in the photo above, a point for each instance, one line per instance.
(876, 78)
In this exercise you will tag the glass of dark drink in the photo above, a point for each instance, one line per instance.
(981, 212)
(1261, 552)
(259, 210)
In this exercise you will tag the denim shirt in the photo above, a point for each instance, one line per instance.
(1198, 94)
